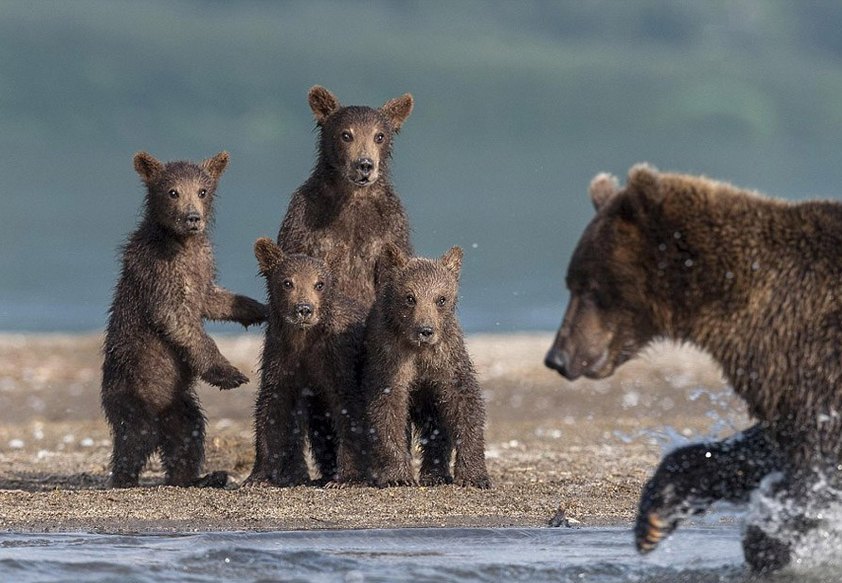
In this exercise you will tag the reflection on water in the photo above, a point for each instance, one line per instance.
(698, 554)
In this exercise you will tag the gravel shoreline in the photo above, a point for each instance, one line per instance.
(586, 447)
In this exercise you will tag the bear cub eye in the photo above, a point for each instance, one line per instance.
(319, 285)
(203, 193)
(441, 301)
(379, 137)
(347, 137)
(173, 193)
(410, 300)
(287, 283)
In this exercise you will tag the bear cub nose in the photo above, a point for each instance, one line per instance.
(304, 310)
(193, 218)
(425, 333)
(365, 166)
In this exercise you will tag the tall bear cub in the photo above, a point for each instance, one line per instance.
(155, 345)
(348, 211)
(757, 283)
(311, 356)
(418, 374)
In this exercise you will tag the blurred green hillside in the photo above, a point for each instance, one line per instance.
(517, 105)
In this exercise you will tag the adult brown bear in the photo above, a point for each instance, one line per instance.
(757, 283)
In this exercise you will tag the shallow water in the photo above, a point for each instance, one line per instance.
(698, 554)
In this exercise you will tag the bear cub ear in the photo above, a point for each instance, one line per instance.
(322, 102)
(397, 110)
(147, 166)
(452, 260)
(603, 188)
(268, 254)
(216, 166)
(391, 258)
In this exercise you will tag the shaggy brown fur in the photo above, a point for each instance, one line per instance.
(155, 345)
(348, 210)
(310, 383)
(417, 371)
(755, 282)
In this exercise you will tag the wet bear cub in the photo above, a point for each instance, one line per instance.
(310, 382)
(348, 210)
(418, 374)
(155, 344)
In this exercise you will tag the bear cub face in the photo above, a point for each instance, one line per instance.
(299, 286)
(356, 141)
(422, 295)
(180, 194)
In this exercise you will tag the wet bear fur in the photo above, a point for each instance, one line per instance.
(418, 375)
(310, 375)
(155, 344)
(757, 283)
(348, 211)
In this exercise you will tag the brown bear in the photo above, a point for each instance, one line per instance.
(757, 283)
(310, 374)
(418, 373)
(348, 210)
(155, 345)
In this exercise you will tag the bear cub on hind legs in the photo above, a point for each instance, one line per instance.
(310, 375)
(155, 344)
(418, 374)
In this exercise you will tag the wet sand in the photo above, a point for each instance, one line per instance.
(586, 446)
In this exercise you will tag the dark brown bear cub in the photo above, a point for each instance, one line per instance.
(418, 373)
(348, 210)
(754, 281)
(155, 345)
(310, 382)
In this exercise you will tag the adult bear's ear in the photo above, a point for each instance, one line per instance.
(645, 180)
(391, 259)
(216, 166)
(397, 110)
(322, 102)
(603, 188)
(452, 260)
(147, 166)
(268, 254)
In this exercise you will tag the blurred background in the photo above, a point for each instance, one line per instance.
(518, 105)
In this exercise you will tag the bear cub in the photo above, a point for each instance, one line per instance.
(310, 374)
(155, 344)
(418, 375)
(348, 210)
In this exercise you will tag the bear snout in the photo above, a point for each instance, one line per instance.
(425, 334)
(364, 171)
(557, 360)
(193, 220)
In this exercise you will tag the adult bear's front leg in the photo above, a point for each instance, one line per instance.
(692, 478)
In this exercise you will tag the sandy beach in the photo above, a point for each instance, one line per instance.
(586, 446)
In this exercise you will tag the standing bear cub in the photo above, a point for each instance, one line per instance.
(310, 374)
(155, 345)
(348, 211)
(418, 374)
(755, 282)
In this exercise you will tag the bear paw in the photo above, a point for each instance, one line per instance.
(225, 376)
